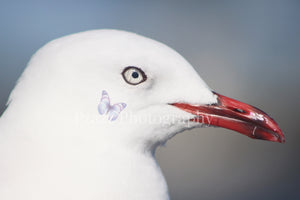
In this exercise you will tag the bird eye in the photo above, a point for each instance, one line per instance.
(134, 75)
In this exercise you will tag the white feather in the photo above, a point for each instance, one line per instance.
(55, 145)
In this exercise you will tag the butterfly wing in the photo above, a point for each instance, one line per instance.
(115, 110)
(104, 104)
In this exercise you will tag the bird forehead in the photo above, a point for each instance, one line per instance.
(117, 44)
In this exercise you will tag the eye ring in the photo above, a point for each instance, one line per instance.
(134, 75)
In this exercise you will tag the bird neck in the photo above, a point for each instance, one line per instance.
(85, 162)
(86, 170)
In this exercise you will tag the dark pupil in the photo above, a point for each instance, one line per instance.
(135, 75)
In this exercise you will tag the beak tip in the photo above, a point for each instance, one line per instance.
(276, 136)
(281, 138)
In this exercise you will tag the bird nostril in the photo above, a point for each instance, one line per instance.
(239, 110)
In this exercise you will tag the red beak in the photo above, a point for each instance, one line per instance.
(235, 115)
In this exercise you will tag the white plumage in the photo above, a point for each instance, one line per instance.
(55, 145)
(90, 109)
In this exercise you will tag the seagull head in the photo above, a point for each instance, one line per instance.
(149, 90)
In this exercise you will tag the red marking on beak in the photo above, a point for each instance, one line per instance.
(235, 115)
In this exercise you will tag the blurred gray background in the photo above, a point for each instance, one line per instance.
(248, 50)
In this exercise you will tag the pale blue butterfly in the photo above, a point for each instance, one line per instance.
(105, 107)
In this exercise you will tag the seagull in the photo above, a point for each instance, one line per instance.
(90, 109)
